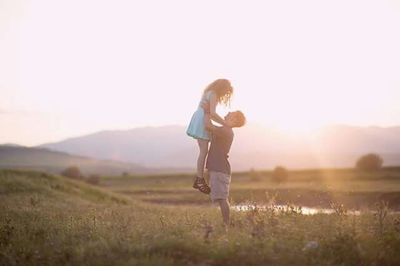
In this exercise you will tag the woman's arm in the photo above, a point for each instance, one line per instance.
(213, 106)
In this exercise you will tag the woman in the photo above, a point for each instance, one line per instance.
(218, 92)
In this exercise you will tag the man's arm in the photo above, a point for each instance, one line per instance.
(213, 110)
(207, 122)
(218, 131)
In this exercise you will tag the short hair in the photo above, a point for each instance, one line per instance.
(240, 119)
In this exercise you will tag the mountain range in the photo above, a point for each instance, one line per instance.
(19, 157)
(254, 147)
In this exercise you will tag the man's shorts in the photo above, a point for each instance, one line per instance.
(219, 183)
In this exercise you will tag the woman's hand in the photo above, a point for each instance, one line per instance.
(206, 107)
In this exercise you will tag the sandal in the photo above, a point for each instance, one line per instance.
(201, 185)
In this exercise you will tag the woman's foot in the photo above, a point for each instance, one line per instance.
(201, 185)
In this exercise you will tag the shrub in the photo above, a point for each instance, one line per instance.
(280, 174)
(369, 162)
(72, 172)
(93, 179)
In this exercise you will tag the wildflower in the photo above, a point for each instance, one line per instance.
(311, 245)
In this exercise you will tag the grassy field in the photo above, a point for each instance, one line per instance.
(314, 188)
(50, 220)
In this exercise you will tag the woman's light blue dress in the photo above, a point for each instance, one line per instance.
(196, 128)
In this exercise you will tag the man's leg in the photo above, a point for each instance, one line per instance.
(225, 211)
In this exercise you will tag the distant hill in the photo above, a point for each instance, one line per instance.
(11, 145)
(149, 146)
(55, 188)
(254, 146)
(18, 157)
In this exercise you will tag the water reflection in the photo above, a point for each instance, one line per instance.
(290, 208)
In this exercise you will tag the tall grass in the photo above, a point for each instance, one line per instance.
(40, 225)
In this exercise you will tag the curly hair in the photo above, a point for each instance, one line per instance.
(223, 89)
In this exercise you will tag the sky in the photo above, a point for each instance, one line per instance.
(69, 68)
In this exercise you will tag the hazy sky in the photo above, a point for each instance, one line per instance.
(69, 68)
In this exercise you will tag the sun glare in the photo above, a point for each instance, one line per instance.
(297, 127)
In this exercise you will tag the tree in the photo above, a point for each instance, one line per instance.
(93, 179)
(369, 162)
(72, 172)
(280, 174)
(125, 174)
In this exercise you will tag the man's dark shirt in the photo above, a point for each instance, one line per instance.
(221, 141)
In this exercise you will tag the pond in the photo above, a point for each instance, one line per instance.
(290, 208)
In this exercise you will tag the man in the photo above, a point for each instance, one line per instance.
(217, 161)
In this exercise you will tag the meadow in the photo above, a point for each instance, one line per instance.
(159, 220)
(315, 188)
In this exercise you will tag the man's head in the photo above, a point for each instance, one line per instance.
(235, 119)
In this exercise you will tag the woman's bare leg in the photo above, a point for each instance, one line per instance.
(203, 150)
